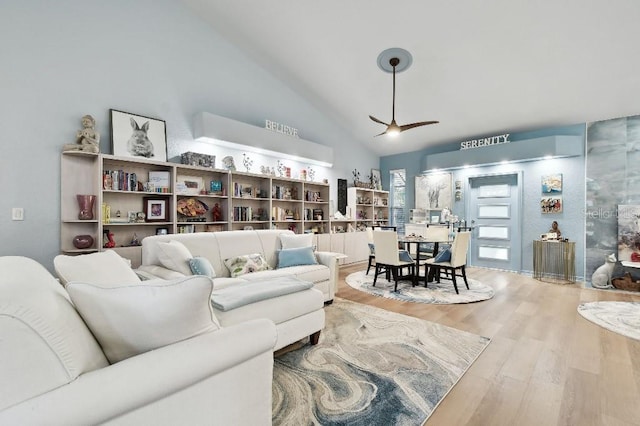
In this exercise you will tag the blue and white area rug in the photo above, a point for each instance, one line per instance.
(619, 317)
(371, 367)
(438, 293)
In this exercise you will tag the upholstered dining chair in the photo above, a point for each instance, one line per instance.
(372, 249)
(456, 262)
(434, 235)
(390, 258)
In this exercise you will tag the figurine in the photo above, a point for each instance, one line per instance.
(554, 228)
(134, 240)
(110, 243)
(228, 163)
(87, 139)
(247, 162)
(216, 213)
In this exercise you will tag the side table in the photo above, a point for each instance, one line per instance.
(554, 261)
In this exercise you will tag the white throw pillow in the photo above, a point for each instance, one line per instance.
(289, 241)
(99, 268)
(175, 256)
(133, 319)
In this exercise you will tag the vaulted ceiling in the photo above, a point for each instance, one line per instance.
(479, 67)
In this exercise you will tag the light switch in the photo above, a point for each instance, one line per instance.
(17, 213)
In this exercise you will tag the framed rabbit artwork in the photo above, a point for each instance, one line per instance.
(135, 135)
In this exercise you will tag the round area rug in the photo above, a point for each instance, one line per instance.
(619, 317)
(442, 293)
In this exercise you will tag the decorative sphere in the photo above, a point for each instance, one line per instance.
(82, 241)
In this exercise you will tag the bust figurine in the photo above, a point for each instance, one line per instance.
(87, 139)
(554, 228)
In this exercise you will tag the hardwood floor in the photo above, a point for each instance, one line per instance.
(545, 365)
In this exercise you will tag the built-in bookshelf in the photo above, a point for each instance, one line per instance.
(369, 207)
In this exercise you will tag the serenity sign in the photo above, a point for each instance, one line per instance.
(479, 143)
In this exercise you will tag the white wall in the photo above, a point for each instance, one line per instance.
(64, 59)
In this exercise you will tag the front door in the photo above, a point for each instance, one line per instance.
(494, 212)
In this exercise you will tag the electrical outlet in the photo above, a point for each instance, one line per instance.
(17, 213)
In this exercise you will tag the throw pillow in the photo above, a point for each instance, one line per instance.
(133, 319)
(202, 266)
(404, 256)
(175, 256)
(443, 256)
(289, 241)
(296, 257)
(246, 264)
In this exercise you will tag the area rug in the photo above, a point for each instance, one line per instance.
(438, 293)
(619, 317)
(371, 367)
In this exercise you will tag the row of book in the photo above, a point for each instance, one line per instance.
(119, 180)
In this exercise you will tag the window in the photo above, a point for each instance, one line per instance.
(398, 179)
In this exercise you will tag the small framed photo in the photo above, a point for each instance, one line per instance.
(189, 185)
(135, 135)
(156, 209)
(376, 179)
(162, 231)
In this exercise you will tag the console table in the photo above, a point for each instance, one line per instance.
(554, 261)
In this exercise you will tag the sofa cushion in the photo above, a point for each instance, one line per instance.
(103, 268)
(246, 264)
(43, 341)
(313, 273)
(132, 319)
(278, 310)
(175, 256)
(201, 266)
(296, 257)
(290, 241)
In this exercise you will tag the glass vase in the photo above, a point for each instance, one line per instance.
(85, 203)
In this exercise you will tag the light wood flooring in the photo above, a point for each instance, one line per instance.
(545, 365)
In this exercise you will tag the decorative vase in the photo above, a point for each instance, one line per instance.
(85, 203)
(82, 241)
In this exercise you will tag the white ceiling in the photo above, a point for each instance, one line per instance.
(480, 67)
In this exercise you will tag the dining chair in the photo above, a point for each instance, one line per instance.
(433, 235)
(372, 248)
(456, 262)
(390, 258)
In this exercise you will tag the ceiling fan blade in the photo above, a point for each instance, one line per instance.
(380, 134)
(418, 124)
(377, 121)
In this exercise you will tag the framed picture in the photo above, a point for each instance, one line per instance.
(162, 231)
(551, 204)
(552, 183)
(155, 209)
(189, 185)
(433, 191)
(376, 179)
(135, 135)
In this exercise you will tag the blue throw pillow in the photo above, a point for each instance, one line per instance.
(201, 266)
(372, 249)
(296, 257)
(404, 256)
(443, 256)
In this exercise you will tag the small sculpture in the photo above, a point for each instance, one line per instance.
(228, 163)
(247, 162)
(311, 173)
(356, 177)
(216, 213)
(110, 243)
(87, 139)
(280, 168)
(134, 240)
(554, 228)
(601, 278)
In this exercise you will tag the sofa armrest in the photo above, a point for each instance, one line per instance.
(160, 272)
(223, 375)
(330, 260)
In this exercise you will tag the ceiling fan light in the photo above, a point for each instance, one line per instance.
(393, 133)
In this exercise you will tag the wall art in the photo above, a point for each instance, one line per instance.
(135, 135)
(433, 191)
(551, 205)
(552, 183)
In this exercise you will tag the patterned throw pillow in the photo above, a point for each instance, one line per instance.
(246, 264)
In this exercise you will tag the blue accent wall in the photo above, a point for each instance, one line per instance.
(571, 220)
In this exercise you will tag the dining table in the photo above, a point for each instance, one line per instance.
(412, 240)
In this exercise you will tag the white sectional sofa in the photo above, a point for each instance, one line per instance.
(296, 315)
(55, 370)
(218, 246)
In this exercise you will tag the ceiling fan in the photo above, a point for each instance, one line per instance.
(398, 60)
